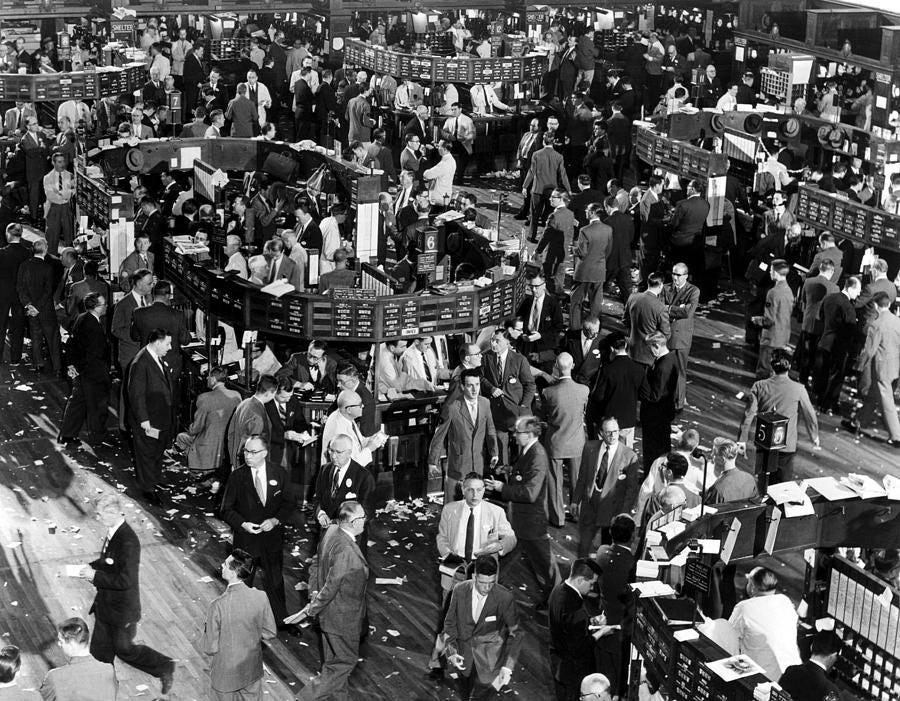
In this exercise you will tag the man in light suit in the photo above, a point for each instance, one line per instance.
(529, 144)
(564, 405)
(608, 484)
(591, 251)
(508, 378)
(83, 677)
(250, 418)
(281, 267)
(645, 313)
(681, 299)
(255, 505)
(359, 116)
(879, 364)
(482, 629)
(525, 488)
(204, 440)
(237, 622)
(337, 586)
(467, 429)
(547, 172)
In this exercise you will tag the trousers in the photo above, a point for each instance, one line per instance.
(339, 655)
(110, 641)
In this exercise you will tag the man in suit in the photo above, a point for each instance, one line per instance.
(571, 640)
(780, 393)
(880, 283)
(237, 623)
(151, 406)
(117, 606)
(809, 681)
(204, 440)
(681, 299)
(153, 91)
(418, 125)
(12, 311)
(585, 196)
(829, 251)
(509, 381)
(619, 259)
(83, 677)
(482, 632)
(194, 75)
(34, 286)
(556, 241)
(467, 433)
(879, 365)
(73, 271)
(529, 144)
(564, 404)
(608, 483)
(688, 221)
(88, 356)
(618, 131)
(326, 107)
(645, 314)
(155, 227)
(81, 289)
(663, 385)
(281, 267)
(312, 370)
(255, 505)
(591, 251)
(123, 315)
(345, 420)
(359, 116)
(170, 193)
(160, 315)
(139, 258)
(250, 419)
(815, 289)
(525, 488)
(337, 586)
(259, 95)
(838, 317)
(776, 318)
(586, 349)
(243, 114)
(616, 391)
(33, 146)
(544, 325)
(547, 172)
(286, 426)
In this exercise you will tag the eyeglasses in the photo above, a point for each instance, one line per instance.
(334, 451)
(350, 406)
(674, 274)
(315, 357)
(358, 518)
(535, 286)
(247, 451)
(469, 355)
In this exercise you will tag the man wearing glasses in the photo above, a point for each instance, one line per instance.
(342, 479)
(254, 505)
(470, 358)
(345, 421)
(543, 323)
(594, 687)
(681, 298)
(312, 370)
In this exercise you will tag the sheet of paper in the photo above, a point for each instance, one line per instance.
(188, 155)
(72, 570)
(654, 537)
(388, 580)
(830, 488)
(153, 432)
(710, 546)
(686, 634)
(655, 588)
(647, 569)
(693, 513)
(670, 530)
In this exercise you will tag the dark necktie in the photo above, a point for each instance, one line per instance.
(105, 545)
(335, 480)
(60, 183)
(601, 472)
(456, 129)
(470, 534)
(488, 107)
(427, 369)
(274, 269)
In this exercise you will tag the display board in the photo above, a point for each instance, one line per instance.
(824, 210)
(100, 202)
(680, 157)
(428, 68)
(71, 85)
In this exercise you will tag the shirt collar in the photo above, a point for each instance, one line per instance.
(574, 589)
(112, 531)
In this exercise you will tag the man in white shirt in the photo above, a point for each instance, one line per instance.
(441, 176)
(459, 132)
(728, 101)
(59, 187)
(419, 362)
(392, 379)
(344, 421)
(179, 50)
(485, 100)
(408, 95)
(236, 260)
(451, 97)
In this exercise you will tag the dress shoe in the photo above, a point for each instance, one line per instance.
(152, 497)
(893, 442)
(167, 678)
(850, 425)
(291, 629)
(435, 674)
(520, 217)
(67, 441)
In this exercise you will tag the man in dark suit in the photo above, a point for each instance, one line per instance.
(170, 194)
(151, 405)
(312, 370)
(255, 505)
(645, 313)
(815, 289)
(467, 429)
(547, 172)
(838, 331)
(250, 418)
(544, 325)
(342, 479)
(618, 132)
(525, 488)
(155, 227)
(286, 419)
(618, 262)
(243, 114)
(509, 380)
(123, 313)
(194, 75)
(586, 349)
(809, 681)
(160, 315)
(12, 311)
(337, 586)
(88, 355)
(153, 90)
(571, 640)
(688, 222)
(659, 399)
(418, 125)
(117, 606)
(326, 104)
(608, 483)
(616, 391)
(482, 632)
(681, 299)
(34, 286)
(583, 198)
(34, 147)
(591, 251)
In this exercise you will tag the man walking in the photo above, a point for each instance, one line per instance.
(776, 318)
(646, 314)
(547, 172)
(591, 251)
(35, 290)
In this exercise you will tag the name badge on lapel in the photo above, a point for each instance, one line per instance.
(512, 380)
(490, 619)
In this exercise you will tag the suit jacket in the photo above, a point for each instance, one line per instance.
(290, 271)
(359, 117)
(283, 451)
(35, 285)
(149, 391)
(491, 642)
(75, 274)
(661, 388)
(681, 305)
(882, 347)
(776, 331)
(161, 316)
(548, 170)
(12, 256)
(688, 220)
(645, 313)
(617, 390)
(622, 235)
(240, 503)
(550, 324)
(414, 126)
(874, 287)
(211, 416)
(249, 418)
(835, 255)
(36, 164)
(325, 102)
(339, 575)
(790, 399)
(121, 329)
(580, 201)
(592, 250)
(131, 264)
(494, 528)
(236, 623)
(617, 563)
(814, 290)
(808, 682)
(528, 147)
(618, 132)
(82, 679)
(88, 349)
(466, 442)
(838, 322)
(244, 117)
(297, 369)
(526, 490)
(357, 484)
(564, 405)
(618, 494)
(517, 384)
(154, 93)
(587, 366)
(571, 644)
(117, 580)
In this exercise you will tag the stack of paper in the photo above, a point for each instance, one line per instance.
(830, 488)
(655, 588)
(279, 288)
(863, 485)
(792, 498)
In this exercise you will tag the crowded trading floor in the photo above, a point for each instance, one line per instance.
(450, 353)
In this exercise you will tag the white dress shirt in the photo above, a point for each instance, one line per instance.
(477, 603)
(459, 547)
(335, 425)
(441, 177)
(767, 629)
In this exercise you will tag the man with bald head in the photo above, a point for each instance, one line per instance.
(564, 405)
(681, 299)
(236, 260)
(345, 420)
(340, 479)
(595, 687)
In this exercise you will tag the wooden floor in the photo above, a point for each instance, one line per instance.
(42, 486)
